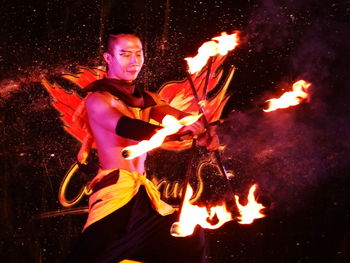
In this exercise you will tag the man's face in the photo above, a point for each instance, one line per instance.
(126, 58)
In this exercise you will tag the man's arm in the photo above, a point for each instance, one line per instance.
(101, 112)
(205, 138)
(160, 111)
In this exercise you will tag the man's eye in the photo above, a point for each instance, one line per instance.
(125, 54)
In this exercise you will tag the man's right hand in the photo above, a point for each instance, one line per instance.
(193, 130)
(206, 137)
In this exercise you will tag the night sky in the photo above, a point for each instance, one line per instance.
(299, 157)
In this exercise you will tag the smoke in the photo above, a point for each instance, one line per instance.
(8, 87)
(276, 23)
(288, 153)
(313, 35)
(20, 82)
(294, 152)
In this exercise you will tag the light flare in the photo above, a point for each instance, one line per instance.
(250, 211)
(290, 98)
(217, 45)
(170, 126)
(192, 215)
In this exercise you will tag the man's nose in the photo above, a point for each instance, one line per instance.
(134, 60)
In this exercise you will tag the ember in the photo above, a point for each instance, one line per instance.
(290, 98)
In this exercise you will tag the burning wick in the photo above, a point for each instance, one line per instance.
(125, 154)
(290, 98)
(170, 126)
(217, 45)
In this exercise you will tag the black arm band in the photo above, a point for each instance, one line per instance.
(135, 129)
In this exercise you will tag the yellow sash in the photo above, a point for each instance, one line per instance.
(113, 197)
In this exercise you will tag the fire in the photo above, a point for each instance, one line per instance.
(170, 126)
(252, 210)
(192, 215)
(217, 45)
(290, 98)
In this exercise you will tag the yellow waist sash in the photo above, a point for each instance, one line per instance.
(113, 197)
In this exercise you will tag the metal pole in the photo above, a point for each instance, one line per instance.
(205, 120)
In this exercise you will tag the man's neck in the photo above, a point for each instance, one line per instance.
(125, 91)
(126, 86)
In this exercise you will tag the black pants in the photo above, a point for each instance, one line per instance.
(136, 231)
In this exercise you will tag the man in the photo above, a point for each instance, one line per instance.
(127, 219)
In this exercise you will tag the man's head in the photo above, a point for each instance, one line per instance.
(124, 55)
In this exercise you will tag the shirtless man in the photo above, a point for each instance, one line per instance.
(127, 219)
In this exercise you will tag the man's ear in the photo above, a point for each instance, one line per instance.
(107, 56)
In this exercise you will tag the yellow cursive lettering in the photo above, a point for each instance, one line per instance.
(64, 185)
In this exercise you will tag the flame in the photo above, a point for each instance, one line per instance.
(192, 215)
(290, 98)
(217, 45)
(252, 210)
(170, 126)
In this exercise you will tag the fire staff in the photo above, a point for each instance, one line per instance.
(127, 219)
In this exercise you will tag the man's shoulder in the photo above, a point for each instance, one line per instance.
(98, 96)
(97, 100)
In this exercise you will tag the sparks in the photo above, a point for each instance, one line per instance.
(290, 98)
(217, 45)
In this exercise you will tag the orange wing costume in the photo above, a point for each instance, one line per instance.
(177, 94)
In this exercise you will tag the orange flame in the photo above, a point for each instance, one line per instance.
(218, 45)
(290, 98)
(170, 126)
(252, 210)
(192, 215)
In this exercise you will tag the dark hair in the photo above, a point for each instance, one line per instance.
(112, 36)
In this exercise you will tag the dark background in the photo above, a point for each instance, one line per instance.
(298, 156)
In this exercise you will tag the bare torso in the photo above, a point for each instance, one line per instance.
(103, 118)
(104, 114)
(110, 155)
